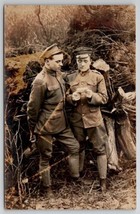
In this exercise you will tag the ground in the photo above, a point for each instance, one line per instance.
(121, 192)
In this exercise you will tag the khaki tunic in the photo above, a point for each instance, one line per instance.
(86, 112)
(46, 116)
(45, 108)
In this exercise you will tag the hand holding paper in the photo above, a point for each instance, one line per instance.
(75, 96)
(88, 93)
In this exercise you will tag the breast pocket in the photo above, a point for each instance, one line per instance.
(54, 94)
(92, 85)
(94, 109)
(74, 86)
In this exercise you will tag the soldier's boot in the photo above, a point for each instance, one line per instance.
(46, 192)
(74, 168)
(103, 185)
(102, 168)
(73, 161)
(75, 180)
(45, 188)
(81, 163)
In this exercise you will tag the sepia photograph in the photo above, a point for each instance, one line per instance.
(69, 107)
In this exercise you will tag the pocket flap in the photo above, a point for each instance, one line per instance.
(91, 82)
(53, 87)
(75, 83)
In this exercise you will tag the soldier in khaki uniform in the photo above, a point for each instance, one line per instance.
(46, 115)
(86, 93)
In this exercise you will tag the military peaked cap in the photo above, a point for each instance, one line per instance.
(83, 50)
(50, 51)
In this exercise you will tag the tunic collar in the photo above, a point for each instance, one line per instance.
(83, 73)
(51, 72)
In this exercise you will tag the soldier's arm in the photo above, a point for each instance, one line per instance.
(69, 78)
(35, 101)
(69, 99)
(100, 97)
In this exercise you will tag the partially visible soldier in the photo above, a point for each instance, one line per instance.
(47, 118)
(86, 93)
(116, 117)
(107, 113)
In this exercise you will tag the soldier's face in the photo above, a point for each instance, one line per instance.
(55, 63)
(83, 62)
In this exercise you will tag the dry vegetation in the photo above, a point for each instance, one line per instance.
(110, 30)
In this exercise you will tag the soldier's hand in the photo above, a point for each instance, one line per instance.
(129, 96)
(121, 91)
(75, 96)
(33, 141)
(32, 137)
(88, 93)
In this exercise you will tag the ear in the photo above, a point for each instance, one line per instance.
(47, 62)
